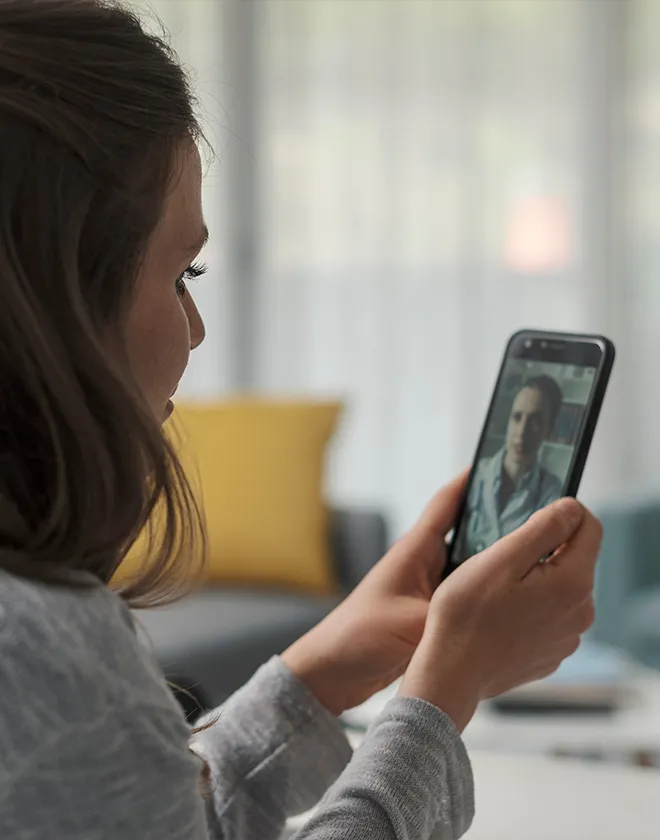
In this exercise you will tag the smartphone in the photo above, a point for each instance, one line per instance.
(536, 437)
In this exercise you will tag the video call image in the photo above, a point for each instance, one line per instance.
(525, 458)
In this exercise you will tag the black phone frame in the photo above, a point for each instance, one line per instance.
(545, 346)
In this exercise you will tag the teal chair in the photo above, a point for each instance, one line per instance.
(628, 579)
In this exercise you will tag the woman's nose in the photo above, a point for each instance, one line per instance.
(196, 324)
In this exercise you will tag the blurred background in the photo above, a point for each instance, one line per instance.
(397, 186)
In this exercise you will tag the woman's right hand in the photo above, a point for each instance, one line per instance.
(502, 618)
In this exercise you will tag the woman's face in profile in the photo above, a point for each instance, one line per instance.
(164, 325)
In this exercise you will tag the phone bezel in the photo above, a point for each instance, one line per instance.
(562, 348)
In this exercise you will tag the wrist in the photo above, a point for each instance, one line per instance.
(458, 707)
(317, 674)
(450, 688)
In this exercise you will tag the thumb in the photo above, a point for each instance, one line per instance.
(542, 534)
(439, 515)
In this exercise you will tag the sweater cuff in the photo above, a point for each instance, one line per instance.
(274, 720)
(435, 758)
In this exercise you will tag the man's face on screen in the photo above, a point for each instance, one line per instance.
(529, 425)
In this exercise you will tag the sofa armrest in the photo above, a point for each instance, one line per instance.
(628, 562)
(358, 540)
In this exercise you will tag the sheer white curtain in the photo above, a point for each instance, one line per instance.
(195, 28)
(642, 267)
(404, 183)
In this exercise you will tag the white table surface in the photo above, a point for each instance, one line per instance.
(538, 798)
(635, 728)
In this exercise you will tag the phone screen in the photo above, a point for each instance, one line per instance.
(533, 434)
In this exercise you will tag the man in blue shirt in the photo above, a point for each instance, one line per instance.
(509, 486)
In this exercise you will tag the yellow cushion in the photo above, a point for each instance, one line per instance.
(260, 466)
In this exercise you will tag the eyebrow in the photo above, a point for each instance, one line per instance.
(200, 243)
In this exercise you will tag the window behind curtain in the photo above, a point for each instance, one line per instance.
(414, 180)
(642, 267)
(196, 29)
(422, 190)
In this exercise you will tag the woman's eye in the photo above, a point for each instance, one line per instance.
(193, 271)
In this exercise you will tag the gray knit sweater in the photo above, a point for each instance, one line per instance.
(94, 747)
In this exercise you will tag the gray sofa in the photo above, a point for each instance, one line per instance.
(211, 642)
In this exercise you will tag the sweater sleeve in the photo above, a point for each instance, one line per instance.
(410, 779)
(127, 773)
(274, 751)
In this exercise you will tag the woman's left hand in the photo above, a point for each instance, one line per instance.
(368, 640)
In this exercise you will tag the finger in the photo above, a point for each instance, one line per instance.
(586, 615)
(440, 513)
(582, 549)
(542, 534)
(423, 546)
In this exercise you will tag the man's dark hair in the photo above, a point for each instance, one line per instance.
(550, 391)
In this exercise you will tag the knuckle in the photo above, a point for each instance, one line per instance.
(578, 586)
(587, 616)
(584, 586)
(598, 529)
(571, 647)
(593, 536)
(570, 591)
(549, 669)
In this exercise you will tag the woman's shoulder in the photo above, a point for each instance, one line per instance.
(66, 657)
(83, 624)
(42, 605)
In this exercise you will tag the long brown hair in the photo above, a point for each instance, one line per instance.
(93, 109)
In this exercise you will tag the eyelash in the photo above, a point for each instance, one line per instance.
(193, 272)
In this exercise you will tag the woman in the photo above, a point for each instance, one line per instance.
(100, 219)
